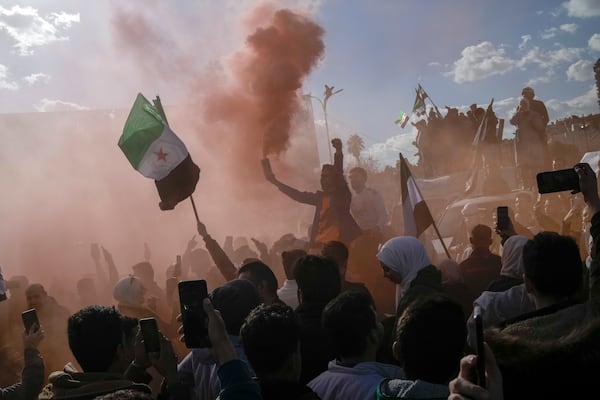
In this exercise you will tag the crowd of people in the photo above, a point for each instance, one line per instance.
(355, 310)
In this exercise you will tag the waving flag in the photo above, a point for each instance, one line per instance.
(417, 216)
(419, 106)
(402, 120)
(156, 152)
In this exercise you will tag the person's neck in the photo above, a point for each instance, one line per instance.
(545, 301)
(350, 362)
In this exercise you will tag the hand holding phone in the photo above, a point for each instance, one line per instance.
(150, 334)
(194, 319)
(502, 218)
(479, 348)
(30, 320)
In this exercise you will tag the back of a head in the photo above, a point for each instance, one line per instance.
(337, 251)
(270, 335)
(348, 319)
(318, 279)
(481, 235)
(235, 299)
(95, 332)
(260, 272)
(553, 264)
(430, 338)
(289, 259)
(144, 270)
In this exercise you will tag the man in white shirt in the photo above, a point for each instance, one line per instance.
(367, 206)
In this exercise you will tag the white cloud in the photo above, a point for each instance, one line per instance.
(548, 33)
(585, 104)
(387, 152)
(524, 40)
(434, 64)
(5, 83)
(47, 105)
(594, 42)
(28, 29)
(479, 62)
(541, 79)
(549, 59)
(570, 28)
(582, 8)
(37, 77)
(581, 71)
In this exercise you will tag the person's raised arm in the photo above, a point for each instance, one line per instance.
(294, 194)
(220, 258)
(113, 275)
(32, 376)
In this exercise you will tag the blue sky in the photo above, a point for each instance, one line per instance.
(63, 55)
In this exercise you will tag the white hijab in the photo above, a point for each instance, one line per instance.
(128, 290)
(512, 256)
(406, 256)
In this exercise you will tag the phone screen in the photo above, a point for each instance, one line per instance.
(191, 295)
(149, 329)
(477, 316)
(502, 217)
(29, 319)
(558, 181)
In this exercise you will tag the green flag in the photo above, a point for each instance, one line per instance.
(402, 119)
(156, 152)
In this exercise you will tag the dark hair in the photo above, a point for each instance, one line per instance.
(481, 232)
(553, 264)
(235, 299)
(95, 332)
(270, 335)
(260, 272)
(348, 319)
(431, 335)
(126, 394)
(289, 259)
(335, 250)
(318, 279)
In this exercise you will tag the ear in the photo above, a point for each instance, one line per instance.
(396, 350)
(529, 286)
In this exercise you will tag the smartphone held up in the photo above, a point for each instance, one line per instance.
(195, 323)
(558, 181)
(30, 319)
(150, 334)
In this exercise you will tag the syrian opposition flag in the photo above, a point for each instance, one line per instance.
(402, 120)
(415, 212)
(156, 152)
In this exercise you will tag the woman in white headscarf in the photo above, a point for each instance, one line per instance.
(405, 263)
(511, 273)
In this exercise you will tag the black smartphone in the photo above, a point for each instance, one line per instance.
(479, 349)
(195, 330)
(29, 319)
(150, 334)
(502, 217)
(558, 181)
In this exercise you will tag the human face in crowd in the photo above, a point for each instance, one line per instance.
(390, 274)
(36, 297)
(357, 181)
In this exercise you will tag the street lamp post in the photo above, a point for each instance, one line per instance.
(328, 93)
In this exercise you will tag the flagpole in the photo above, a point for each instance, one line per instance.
(161, 110)
(433, 220)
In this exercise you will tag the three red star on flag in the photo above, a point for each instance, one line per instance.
(161, 155)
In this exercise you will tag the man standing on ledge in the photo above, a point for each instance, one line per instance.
(332, 220)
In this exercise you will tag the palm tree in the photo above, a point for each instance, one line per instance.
(355, 145)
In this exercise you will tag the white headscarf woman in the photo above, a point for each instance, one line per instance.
(512, 256)
(402, 258)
